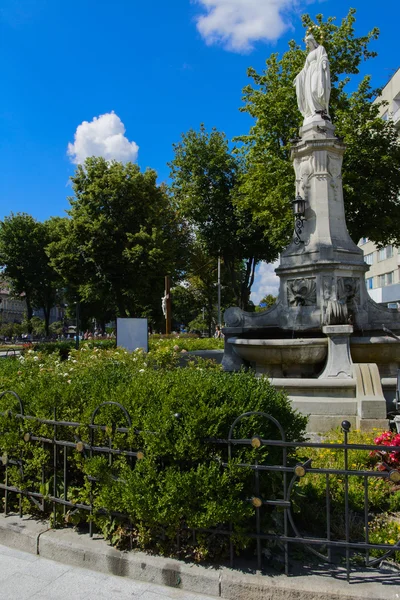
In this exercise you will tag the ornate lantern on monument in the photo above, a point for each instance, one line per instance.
(299, 209)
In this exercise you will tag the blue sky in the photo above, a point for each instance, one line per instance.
(161, 67)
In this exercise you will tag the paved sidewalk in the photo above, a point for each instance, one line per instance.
(25, 576)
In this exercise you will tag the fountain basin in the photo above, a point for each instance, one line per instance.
(299, 357)
(382, 350)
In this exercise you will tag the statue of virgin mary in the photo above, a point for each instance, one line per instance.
(313, 83)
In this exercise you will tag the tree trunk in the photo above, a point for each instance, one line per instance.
(121, 307)
(248, 282)
(230, 265)
(241, 292)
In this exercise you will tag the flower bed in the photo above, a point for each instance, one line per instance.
(383, 494)
(156, 342)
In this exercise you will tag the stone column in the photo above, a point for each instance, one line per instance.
(339, 364)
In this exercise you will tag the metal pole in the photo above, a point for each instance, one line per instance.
(168, 305)
(219, 290)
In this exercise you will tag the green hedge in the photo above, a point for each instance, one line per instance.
(64, 347)
(186, 343)
(156, 342)
(179, 483)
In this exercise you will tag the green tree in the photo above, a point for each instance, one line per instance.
(57, 328)
(266, 302)
(197, 299)
(122, 237)
(371, 167)
(26, 266)
(205, 177)
(186, 304)
(38, 326)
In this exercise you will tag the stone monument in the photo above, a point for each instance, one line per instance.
(323, 341)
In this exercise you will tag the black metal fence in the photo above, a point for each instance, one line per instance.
(327, 547)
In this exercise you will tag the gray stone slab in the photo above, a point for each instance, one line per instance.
(10, 565)
(45, 570)
(7, 552)
(21, 534)
(21, 587)
(78, 585)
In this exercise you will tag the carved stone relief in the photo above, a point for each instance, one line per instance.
(336, 313)
(327, 288)
(320, 162)
(335, 171)
(302, 292)
(348, 290)
(304, 169)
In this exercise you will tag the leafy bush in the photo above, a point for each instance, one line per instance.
(179, 483)
(384, 529)
(382, 493)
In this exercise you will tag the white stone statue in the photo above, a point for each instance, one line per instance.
(164, 304)
(313, 83)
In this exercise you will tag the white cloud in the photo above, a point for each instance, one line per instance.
(265, 282)
(237, 24)
(104, 136)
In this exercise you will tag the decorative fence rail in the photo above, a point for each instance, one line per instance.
(327, 547)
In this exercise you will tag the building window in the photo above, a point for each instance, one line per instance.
(385, 279)
(363, 241)
(369, 258)
(385, 253)
(370, 283)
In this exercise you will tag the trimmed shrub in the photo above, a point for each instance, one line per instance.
(176, 413)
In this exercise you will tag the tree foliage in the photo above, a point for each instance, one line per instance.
(371, 167)
(123, 236)
(26, 266)
(205, 176)
(197, 300)
(266, 302)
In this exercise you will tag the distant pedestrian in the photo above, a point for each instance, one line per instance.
(218, 333)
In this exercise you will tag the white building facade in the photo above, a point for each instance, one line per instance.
(383, 277)
(12, 310)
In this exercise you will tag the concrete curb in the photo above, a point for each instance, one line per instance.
(69, 547)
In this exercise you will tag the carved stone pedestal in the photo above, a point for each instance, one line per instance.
(339, 364)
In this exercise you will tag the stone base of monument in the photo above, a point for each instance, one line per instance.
(342, 391)
(328, 401)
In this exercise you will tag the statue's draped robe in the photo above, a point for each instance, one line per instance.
(313, 84)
